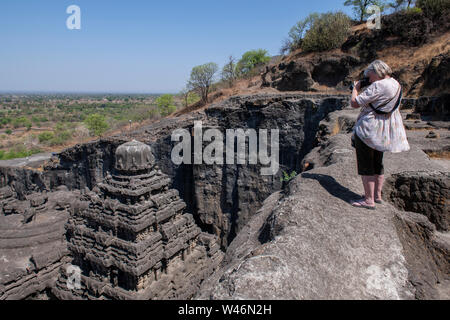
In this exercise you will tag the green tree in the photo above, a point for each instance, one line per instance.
(328, 31)
(401, 4)
(60, 138)
(5, 120)
(188, 97)
(45, 136)
(21, 122)
(229, 72)
(297, 33)
(96, 124)
(60, 126)
(360, 7)
(251, 59)
(193, 98)
(202, 77)
(434, 8)
(184, 94)
(165, 104)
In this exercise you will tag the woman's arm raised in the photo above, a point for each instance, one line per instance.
(356, 87)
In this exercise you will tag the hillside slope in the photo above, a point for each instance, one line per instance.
(417, 50)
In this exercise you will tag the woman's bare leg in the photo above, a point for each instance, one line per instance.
(369, 189)
(379, 180)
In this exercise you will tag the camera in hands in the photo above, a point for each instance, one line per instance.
(365, 82)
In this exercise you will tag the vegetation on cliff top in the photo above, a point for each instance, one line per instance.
(47, 122)
(318, 32)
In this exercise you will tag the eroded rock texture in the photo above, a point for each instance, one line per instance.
(129, 235)
(423, 192)
(431, 108)
(308, 242)
(308, 73)
(221, 198)
(132, 240)
(32, 242)
(226, 196)
(435, 79)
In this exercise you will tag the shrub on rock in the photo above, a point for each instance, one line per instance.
(319, 32)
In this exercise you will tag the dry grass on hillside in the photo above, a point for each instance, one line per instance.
(240, 87)
(410, 60)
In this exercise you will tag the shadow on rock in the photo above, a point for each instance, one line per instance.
(332, 186)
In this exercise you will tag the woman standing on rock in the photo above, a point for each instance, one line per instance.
(379, 128)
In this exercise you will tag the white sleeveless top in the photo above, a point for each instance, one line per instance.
(378, 131)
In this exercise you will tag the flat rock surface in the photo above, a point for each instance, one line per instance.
(32, 161)
(419, 138)
(445, 163)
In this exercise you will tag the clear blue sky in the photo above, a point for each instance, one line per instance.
(135, 45)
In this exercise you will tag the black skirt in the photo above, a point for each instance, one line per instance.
(370, 161)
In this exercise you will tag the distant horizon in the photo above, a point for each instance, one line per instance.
(83, 93)
(135, 47)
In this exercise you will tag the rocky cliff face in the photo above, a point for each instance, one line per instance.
(309, 73)
(308, 242)
(425, 192)
(270, 235)
(227, 196)
(32, 242)
(430, 108)
(222, 198)
(435, 79)
(130, 238)
(413, 44)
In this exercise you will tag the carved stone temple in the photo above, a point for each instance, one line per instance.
(131, 239)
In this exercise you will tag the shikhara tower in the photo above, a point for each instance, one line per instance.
(131, 239)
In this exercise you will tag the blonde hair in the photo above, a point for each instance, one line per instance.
(380, 68)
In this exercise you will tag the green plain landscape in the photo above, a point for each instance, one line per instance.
(34, 123)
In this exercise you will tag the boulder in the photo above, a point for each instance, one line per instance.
(307, 73)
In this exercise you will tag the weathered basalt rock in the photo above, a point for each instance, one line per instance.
(308, 242)
(134, 156)
(422, 192)
(131, 239)
(224, 201)
(435, 79)
(434, 108)
(221, 198)
(32, 243)
(305, 74)
(226, 196)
